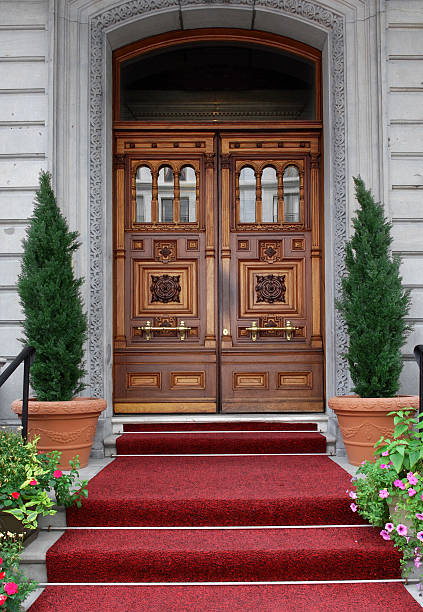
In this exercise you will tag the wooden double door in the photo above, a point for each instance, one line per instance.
(217, 261)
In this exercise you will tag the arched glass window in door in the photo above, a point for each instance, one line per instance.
(291, 194)
(144, 189)
(269, 195)
(166, 194)
(247, 195)
(188, 195)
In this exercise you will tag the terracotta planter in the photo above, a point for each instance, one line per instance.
(68, 427)
(363, 420)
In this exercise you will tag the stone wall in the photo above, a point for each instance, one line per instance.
(24, 138)
(404, 117)
(44, 50)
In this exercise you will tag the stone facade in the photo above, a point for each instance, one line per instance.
(55, 113)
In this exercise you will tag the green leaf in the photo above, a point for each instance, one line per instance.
(397, 460)
(414, 457)
(400, 430)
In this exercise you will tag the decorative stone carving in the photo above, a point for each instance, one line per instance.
(165, 289)
(270, 288)
(308, 11)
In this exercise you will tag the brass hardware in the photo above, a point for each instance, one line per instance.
(226, 332)
(289, 329)
(148, 328)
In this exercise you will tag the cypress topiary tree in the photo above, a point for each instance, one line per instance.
(55, 323)
(374, 304)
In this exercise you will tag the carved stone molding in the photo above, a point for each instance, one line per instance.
(306, 10)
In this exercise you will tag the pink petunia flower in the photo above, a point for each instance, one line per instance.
(385, 453)
(420, 535)
(15, 495)
(57, 473)
(363, 463)
(419, 515)
(389, 527)
(411, 478)
(383, 493)
(383, 466)
(411, 492)
(402, 530)
(33, 482)
(417, 562)
(399, 483)
(11, 588)
(353, 495)
(385, 535)
(353, 507)
(417, 550)
(1, 561)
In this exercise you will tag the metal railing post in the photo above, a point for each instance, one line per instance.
(25, 394)
(418, 354)
(27, 356)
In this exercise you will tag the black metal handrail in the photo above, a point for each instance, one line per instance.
(418, 354)
(27, 356)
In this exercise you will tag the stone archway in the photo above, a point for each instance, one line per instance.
(100, 25)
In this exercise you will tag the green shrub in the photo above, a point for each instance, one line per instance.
(55, 323)
(373, 304)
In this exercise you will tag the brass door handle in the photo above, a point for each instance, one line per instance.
(148, 328)
(289, 329)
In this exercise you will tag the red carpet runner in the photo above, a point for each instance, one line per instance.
(236, 491)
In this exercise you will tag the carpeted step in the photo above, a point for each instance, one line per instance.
(165, 555)
(228, 442)
(221, 426)
(375, 597)
(243, 490)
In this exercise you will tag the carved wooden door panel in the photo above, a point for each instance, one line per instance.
(217, 273)
(271, 348)
(165, 273)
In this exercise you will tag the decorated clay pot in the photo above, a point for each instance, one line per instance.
(68, 427)
(363, 420)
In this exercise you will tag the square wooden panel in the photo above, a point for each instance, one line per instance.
(298, 244)
(170, 289)
(243, 245)
(252, 298)
(188, 380)
(192, 244)
(250, 380)
(138, 245)
(295, 380)
(136, 380)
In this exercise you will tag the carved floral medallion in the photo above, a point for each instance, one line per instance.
(165, 289)
(270, 288)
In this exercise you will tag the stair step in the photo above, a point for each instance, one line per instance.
(220, 426)
(228, 442)
(221, 555)
(375, 597)
(235, 490)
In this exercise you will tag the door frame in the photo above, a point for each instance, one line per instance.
(265, 39)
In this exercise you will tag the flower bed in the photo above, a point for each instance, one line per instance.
(389, 491)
